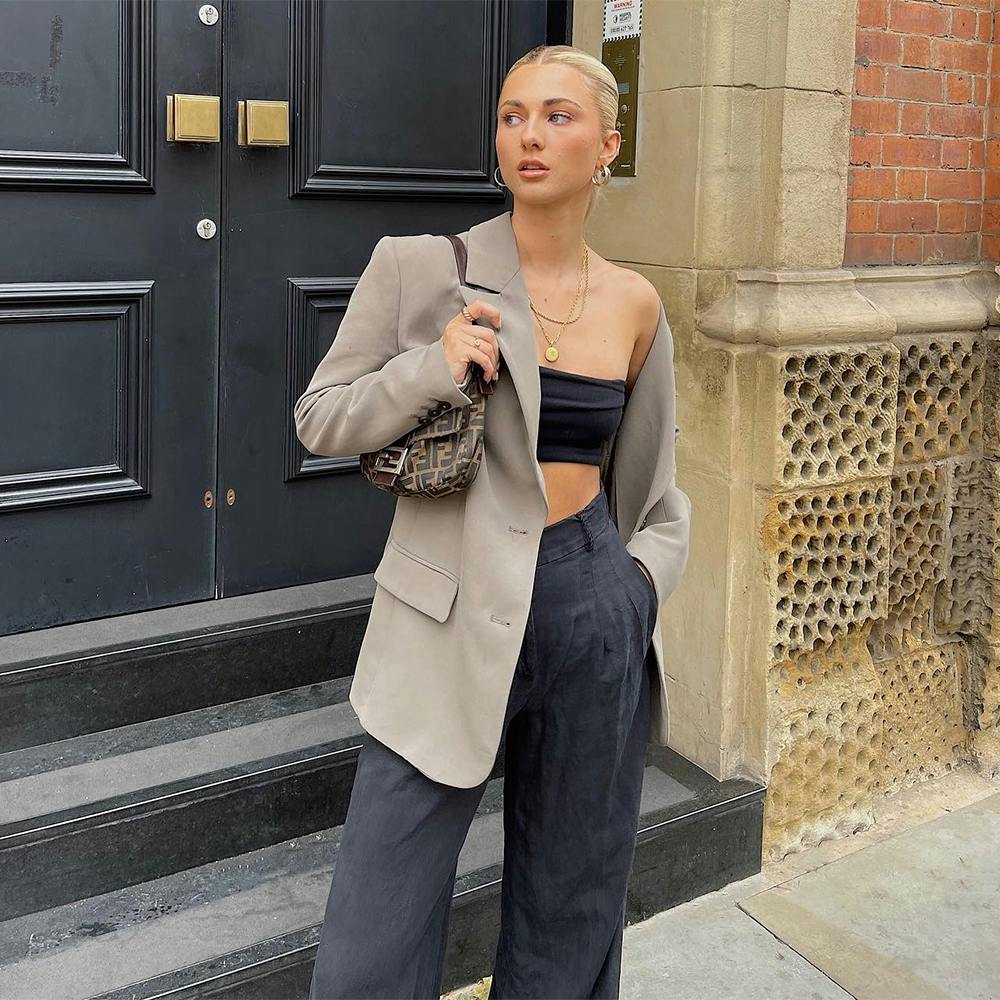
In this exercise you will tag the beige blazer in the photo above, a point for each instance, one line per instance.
(455, 580)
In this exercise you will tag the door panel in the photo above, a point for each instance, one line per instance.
(391, 132)
(108, 312)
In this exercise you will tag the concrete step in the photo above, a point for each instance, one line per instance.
(70, 680)
(83, 816)
(247, 926)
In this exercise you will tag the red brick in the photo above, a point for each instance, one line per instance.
(973, 217)
(916, 50)
(971, 56)
(866, 149)
(959, 88)
(876, 46)
(869, 81)
(908, 249)
(958, 121)
(955, 152)
(991, 217)
(903, 151)
(861, 216)
(873, 183)
(951, 217)
(977, 155)
(919, 18)
(911, 185)
(951, 249)
(993, 154)
(872, 13)
(985, 30)
(990, 248)
(981, 90)
(875, 116)
(864, 248)
(907, 216)
(991, 185)
(913, 118)
(912, 84)
(963, 23)
(962, 185)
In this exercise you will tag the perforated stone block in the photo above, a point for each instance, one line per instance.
(940, 402)
(826, 556)
(825, 731)
(832, 414)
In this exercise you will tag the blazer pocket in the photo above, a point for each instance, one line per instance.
(417, 582)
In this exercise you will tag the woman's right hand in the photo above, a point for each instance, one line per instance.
(459, 342)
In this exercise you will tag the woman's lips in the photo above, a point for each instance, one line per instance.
(533, 171)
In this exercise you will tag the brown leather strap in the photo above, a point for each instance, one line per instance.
(461, 255)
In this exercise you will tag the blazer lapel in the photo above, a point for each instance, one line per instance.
(493, 274)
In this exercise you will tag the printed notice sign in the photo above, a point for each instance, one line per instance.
(622, 19)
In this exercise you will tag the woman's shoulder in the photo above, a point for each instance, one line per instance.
(425, 254)
(641, 303)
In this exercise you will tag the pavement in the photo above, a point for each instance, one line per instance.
(908, 909)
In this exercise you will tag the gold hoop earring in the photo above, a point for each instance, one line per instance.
(604, 174)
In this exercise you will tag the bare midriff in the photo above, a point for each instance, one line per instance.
(570, 486)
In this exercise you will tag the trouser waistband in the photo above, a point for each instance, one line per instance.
(583, 527)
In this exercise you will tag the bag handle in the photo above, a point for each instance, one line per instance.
(486, 387)
(461, 255)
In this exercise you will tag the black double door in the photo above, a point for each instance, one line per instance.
(164, 302)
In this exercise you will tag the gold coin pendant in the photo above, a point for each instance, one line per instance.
(552, 353)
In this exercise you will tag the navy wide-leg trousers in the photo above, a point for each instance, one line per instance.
(576, 729)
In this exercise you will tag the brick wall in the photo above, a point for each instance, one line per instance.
(924, 179)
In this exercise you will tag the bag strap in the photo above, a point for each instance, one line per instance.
(461, 255)
(461, 258)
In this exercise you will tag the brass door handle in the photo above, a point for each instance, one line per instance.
(192, 118)
(262, 123)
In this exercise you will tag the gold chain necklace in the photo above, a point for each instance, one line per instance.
(552, 352)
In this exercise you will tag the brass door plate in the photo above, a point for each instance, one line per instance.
(193, 118)
(262, 123)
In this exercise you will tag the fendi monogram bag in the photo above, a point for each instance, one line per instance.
(442, 455)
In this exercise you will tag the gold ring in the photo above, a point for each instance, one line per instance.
(477, 341)
(468, 315)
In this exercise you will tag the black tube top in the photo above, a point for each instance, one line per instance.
(578, 414)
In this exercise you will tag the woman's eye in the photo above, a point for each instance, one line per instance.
(554, 114)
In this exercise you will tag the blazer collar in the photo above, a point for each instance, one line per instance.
(493, 258)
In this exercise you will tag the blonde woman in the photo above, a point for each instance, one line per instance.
(522, 611)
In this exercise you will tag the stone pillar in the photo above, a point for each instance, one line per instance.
(834, 634)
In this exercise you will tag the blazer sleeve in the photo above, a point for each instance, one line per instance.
(366, 393)
(662, 545)
(662, 541)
